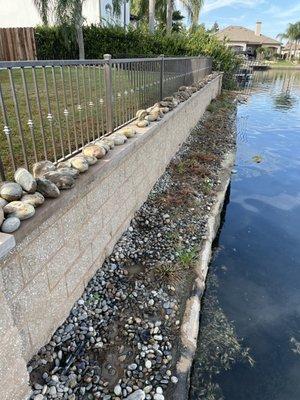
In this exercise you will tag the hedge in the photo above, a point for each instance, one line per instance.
(59, 43)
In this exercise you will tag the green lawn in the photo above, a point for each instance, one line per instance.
(71, 89)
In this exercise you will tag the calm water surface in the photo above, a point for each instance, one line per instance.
(249, 346)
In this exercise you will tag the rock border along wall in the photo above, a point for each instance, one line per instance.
(59, 250)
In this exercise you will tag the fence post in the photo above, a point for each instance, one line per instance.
(162, 73)
(108, 92)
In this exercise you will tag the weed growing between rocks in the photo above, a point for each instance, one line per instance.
(121, 339)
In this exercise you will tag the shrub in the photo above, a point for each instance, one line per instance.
(59, 43)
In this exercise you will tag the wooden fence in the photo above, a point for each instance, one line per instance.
(17, 44)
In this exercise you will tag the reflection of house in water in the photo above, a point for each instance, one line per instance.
(243, 40)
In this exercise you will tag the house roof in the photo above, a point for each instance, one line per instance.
(241, 34)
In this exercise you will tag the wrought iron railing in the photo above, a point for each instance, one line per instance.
(51, 109)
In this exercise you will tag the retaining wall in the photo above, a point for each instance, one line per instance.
(59, 250)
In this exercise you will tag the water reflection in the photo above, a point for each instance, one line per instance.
(253, 297)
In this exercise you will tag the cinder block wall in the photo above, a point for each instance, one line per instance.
(60, 249)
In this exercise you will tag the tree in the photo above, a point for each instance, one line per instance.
(193, 8)
(69, 12)
(151, 16)
(292, 34)
(170, 7)
(43, 9)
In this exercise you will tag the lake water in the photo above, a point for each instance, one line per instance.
(249, 344)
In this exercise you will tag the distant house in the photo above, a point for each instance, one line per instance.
(244, 40)
(291, 49)
(23, 13)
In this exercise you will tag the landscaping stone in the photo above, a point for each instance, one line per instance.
(118, 139)
(10, 225)
(47, 188)
(11, 191)
(141, 114)
(142, 124)
(19, 209)
(137, 395)
(61, 180)
(74, 173)
(80, 163)
(25, 180)
(1, 216)
(90, 159)
(129, 132)
(93, 150)
(40, 168)
(110, 142)
(35, 199)
(3, 202)
(103, 145)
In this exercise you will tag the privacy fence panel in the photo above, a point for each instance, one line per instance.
(51, 109)
(17, 44)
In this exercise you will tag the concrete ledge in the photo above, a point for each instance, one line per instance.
(7, 243)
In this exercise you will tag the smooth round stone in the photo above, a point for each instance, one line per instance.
(165, 109)
(64, 164)
(90, 160)
(108, 141)
(151, 118)
(137, 395)
(142, 124)
(141, 114)
(118, 139)
(1, 215)
(47, 188)
(19, 209)
(10, 225)
(93, 150)
(11, 191)
(117, 390)
(61, 180)
(158, 396)
(3, 202)
(128, 132)
(38, 397)
(102, 144)
(74, 173)
(25, 180)
(35, 199)
(40, 168)
(80, 163)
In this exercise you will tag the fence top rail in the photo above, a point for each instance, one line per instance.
(61, 63)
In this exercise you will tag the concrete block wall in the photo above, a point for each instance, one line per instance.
(59, 250)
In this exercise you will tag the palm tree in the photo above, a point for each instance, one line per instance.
(170, 9)
(292, 34)
(70, 12)
(43, 9)
(151, 15)
(193, 8)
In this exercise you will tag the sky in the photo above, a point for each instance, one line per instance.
(274, 15)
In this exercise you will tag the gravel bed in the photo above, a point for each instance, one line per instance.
(121, 339)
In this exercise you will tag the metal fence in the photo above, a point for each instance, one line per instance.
(51, 109)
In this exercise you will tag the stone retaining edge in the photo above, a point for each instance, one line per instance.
(191, 318)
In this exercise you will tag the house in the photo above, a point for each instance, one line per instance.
(244, 40)
(23, 13)
(291, 50)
